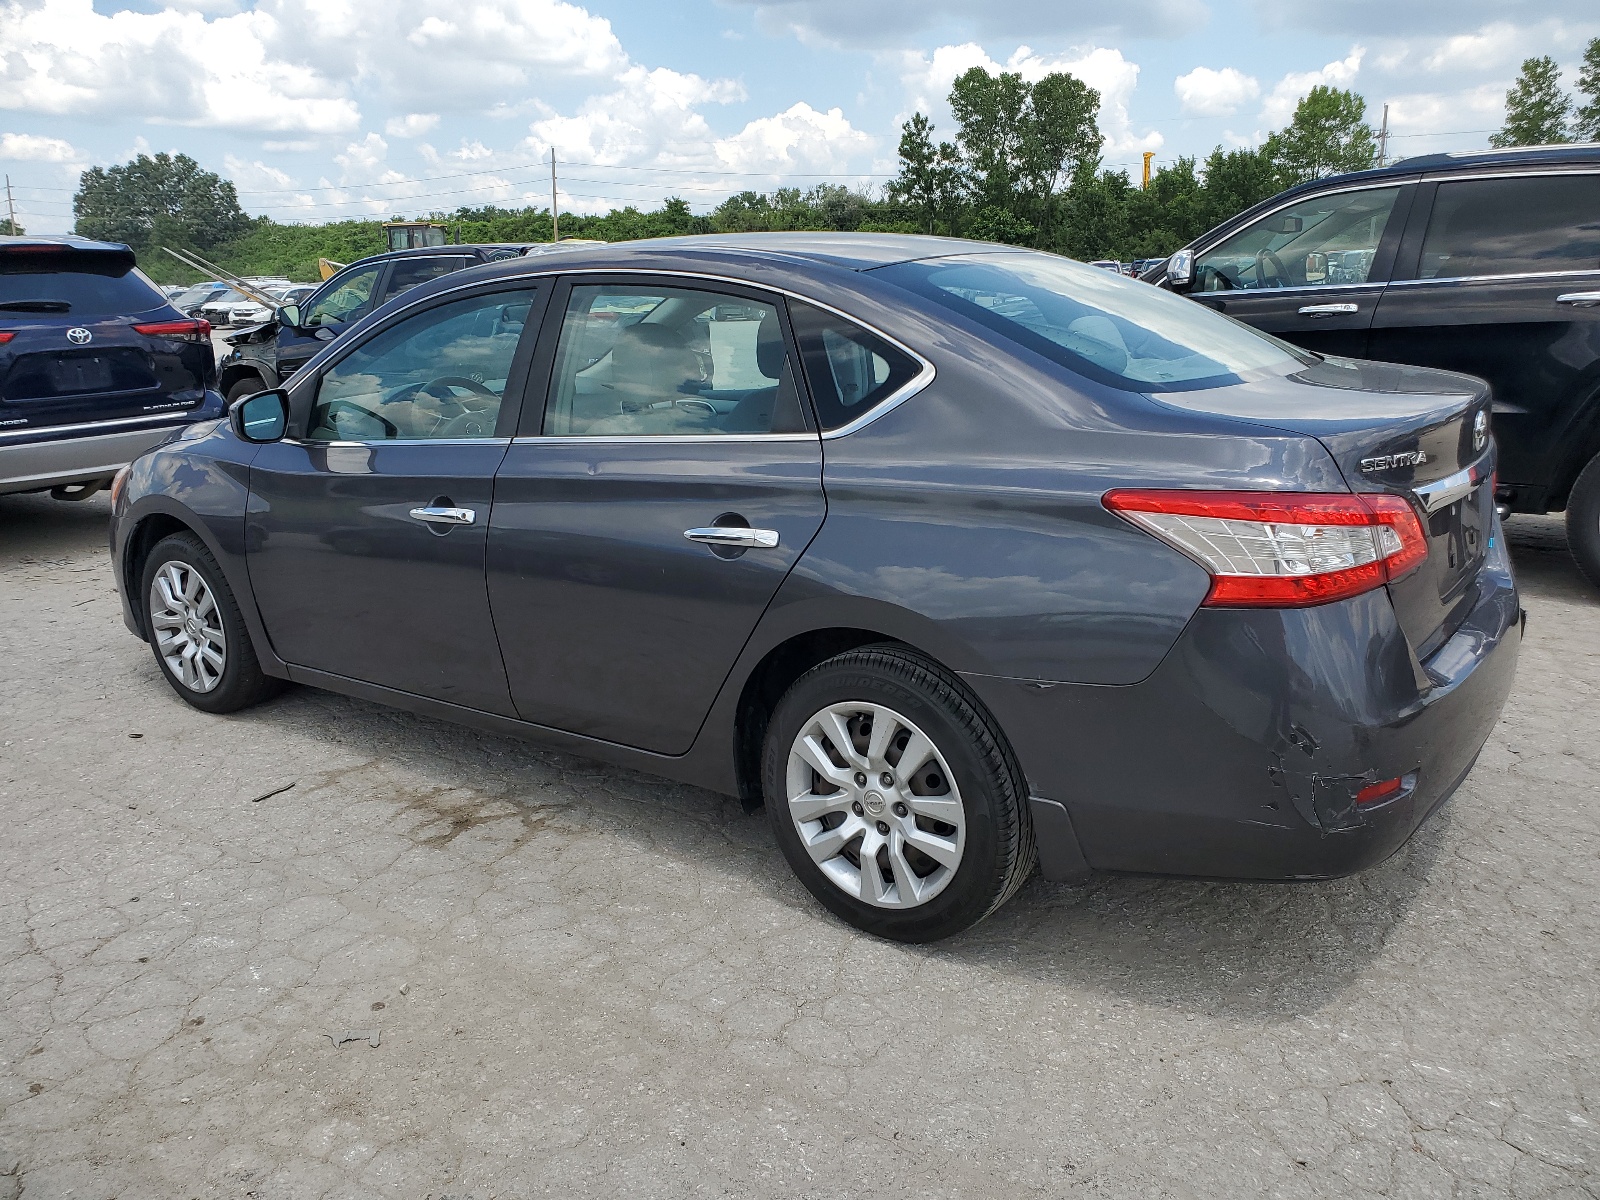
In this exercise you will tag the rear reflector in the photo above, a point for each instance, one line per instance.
(193, 330)
(1282, 549)
(6, 335)
(1382, 790)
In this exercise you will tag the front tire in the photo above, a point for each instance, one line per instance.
(893, 796)
(194, 627)
(1583, 521)
(248, 386)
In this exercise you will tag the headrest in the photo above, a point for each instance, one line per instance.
(770, 350)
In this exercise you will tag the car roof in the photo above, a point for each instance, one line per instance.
(59, 241)
(1579, 153)
(437, 251)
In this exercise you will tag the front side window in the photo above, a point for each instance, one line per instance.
(349, 300)
(439, 374)
(1320, 241)
(409, 272)
(1513, 227)
(666, 361)
(1111, 329)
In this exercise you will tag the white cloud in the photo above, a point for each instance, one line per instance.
(1280, 103)
(411, 125)
(800, 136)
(651, 115)
(1204, 92)
(28, 147)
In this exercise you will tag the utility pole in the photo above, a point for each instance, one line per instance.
(1145, 185)
(1383, 139)
(11, 209)
(555, 216)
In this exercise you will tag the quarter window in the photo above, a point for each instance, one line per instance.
(439, 374)
(1513, 226)
(850, 369)
(658, 362)
(1320, 241)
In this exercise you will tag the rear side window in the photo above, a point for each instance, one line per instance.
(850, 369)
(409, 272)
(1513, 226)
(83, 293)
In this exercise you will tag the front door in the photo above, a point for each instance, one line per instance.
(1311, 273)
(1503, 281)
(641, 529)
(366, 533)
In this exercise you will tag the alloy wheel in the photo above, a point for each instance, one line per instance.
(875, 805)
(188, 626)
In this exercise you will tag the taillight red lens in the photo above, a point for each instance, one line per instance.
(1282, 549)
(6, 335)
(1384, 789)
(193, 330)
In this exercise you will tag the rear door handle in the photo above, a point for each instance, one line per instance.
(734, 535)
(1329, 310)
(1580, 299)
(444, 516)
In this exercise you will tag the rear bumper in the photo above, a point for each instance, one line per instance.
(1240, 756)
(33, 466)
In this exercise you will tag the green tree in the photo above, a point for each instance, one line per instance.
(1022, 142)
(1329, 135)
(1235, 180)
(153, 201)
(1586, 119)
(1536, 107)
(930, 179)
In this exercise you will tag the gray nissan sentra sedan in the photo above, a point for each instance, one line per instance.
(959, 557)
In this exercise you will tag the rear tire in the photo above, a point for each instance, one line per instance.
(908, 850)
(195, 630)
(1583, 521)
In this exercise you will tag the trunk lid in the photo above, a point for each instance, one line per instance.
(1410, 431)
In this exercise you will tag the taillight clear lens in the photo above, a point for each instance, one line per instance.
(1282, 549)
(192, 330)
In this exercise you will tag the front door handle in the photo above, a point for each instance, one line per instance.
(734, 535)
(1580, 299)
(1329, 310)
(439, 515)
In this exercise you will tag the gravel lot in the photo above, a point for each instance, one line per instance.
(583, 981)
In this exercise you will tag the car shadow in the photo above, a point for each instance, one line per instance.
(35, 525)
(1542, 562)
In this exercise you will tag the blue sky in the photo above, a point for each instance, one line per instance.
(326, 108)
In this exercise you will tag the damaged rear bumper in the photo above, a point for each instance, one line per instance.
(1241, 755)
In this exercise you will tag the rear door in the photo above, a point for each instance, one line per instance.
(1500, 278)
(649, 509)
(1312, 271)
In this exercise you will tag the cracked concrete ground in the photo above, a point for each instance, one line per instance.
(589, 982)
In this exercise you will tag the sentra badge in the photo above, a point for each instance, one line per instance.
(1388, 462)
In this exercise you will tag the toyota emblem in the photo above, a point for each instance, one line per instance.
(1480, 431)
(79, 336)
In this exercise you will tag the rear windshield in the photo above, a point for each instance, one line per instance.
(86, 293)
(1112, 329)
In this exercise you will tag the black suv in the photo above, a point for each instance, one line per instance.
(1485, 262)
(96, 366)
(265, 355)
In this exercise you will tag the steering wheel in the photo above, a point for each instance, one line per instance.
(439, 389)
(1279, 271)
(390, 429)
(460, 381)
(474, 423)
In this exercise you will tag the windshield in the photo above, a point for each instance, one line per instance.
(198, 294)
(1110, 328)
(82, 293)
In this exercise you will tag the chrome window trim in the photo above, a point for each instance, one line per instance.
(1487, 278)
(645, 439)
(156, 420)
(1511, 172)
(488, 441)
(1322, 289)
(924, 376)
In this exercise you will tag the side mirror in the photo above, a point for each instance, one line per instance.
(1180, 269)
(1316, 267)
(289, 316)
(261, 418)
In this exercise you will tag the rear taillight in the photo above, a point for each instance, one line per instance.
(1282, 549)
(6, 335)
(191, 330)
